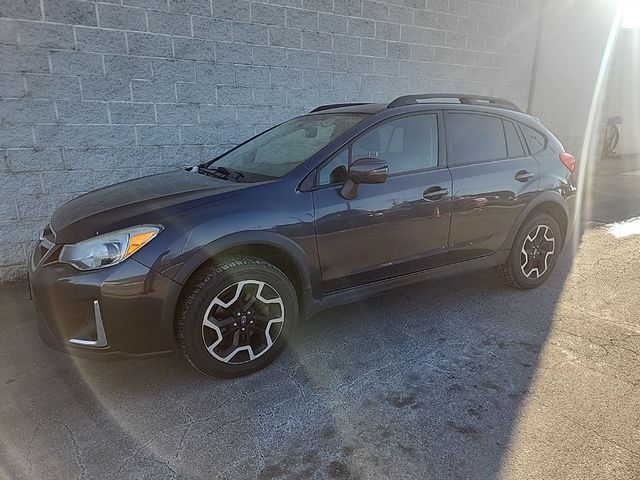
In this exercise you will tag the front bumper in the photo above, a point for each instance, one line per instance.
(118, 311)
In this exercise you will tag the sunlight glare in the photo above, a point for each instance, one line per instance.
(625, 228)
(630, 11)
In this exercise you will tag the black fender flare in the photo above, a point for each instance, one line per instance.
(542, 197)
(206, 252)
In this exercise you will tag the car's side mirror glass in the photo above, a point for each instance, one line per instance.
(364, 170)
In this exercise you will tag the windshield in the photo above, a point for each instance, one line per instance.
(278, 151)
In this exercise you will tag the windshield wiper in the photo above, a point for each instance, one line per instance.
(226, 173)
(214, 172)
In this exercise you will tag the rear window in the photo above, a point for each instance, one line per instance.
(475, 138)
(535, 140)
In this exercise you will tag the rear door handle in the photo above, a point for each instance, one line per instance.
(523, 175)
(432, 194)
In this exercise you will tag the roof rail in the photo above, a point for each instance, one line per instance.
(321, 108)
(462, 98)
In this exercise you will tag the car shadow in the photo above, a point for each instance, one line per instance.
(423, 382)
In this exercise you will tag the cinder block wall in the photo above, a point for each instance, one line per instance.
(93, 93)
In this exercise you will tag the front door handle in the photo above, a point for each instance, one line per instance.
(523, 175)
(432, 194)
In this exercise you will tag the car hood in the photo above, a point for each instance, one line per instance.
(109, 208)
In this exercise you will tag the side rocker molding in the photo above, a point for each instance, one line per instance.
(342, 297)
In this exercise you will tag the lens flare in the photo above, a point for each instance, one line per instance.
(590, 141)
(630, 13)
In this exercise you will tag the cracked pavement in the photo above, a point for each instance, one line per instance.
(459, 378)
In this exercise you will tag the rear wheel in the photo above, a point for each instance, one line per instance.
(534, 253)
(235, 316)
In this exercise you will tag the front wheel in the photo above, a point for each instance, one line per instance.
(235, 316)
(534, 253)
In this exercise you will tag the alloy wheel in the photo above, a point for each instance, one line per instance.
(243, 321)
(537, 250)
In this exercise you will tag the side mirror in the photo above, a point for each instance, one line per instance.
(364, 170)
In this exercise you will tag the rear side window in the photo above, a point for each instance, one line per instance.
(514, 145)
(535, 140)
(475, 138)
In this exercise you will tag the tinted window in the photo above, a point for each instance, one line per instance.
(407, 144)
(514, 145)
(475, 138)
(535, 140)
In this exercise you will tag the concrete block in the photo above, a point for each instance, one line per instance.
(177, 113)
(16, 136)
(253, 33)
(216, 114)
(285, 37)
(23, 9)
(106, 89)
(149, 45)
(227, 52)
(76, 63)
(52, 86)
(212, 28)
(82, 112)
(268, 14)
(169, 23)
(34, 160)
(153, 91)
(20, 59)
(83, 135)
(74, 12)
(231, 9)
(121, 18)
(157, 135)
(174, 70)
(132, 113)
(194, 49)
(101, 41)
(333, 23)
(190, 7)
(126, 67)
(12, 85)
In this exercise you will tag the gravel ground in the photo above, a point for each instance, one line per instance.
(460, 378)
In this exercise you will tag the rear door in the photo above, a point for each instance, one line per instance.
(493, 179)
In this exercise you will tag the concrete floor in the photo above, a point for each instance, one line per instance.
(462, 378)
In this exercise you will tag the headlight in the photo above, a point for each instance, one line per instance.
(108, 249)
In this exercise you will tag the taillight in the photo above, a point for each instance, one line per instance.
(568, 161)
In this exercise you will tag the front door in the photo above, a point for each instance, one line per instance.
(388, 229)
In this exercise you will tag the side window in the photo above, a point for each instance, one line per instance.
(407, 144)
(514, 145)
(475, 138)
(535, 140)
(335, 171)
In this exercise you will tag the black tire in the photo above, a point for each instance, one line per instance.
(220, 279)
(512, 271)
